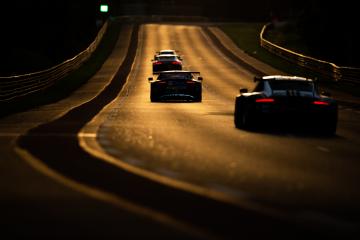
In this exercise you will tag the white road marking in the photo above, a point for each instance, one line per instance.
(323, 149)
(88, 135)
(110, 198)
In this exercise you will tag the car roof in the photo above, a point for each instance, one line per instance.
(284, 77)
(167, 50)
(176, 71)
(167, 55)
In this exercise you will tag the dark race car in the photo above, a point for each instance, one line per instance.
(166, 62)
(288, 101)
(176, 85)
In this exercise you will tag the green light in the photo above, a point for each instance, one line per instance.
(104, 8)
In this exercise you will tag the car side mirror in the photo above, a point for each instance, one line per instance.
(150, 79)
(200, 78)
(243, 90)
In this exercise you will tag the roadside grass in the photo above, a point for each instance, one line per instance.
(70, 83)
(287, 36)
(247, 37)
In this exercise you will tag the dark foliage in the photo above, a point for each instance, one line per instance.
(330, 31)
(39, 34)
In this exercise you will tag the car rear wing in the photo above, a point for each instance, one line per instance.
(169, 49)
(258, 79)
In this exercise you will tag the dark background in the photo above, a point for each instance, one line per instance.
(38, 34)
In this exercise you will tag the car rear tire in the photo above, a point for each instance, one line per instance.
(329, 126)
(153, 99)
(246, 120)
(242, 116)
(237, 114)
(153, 96)
(198, 97)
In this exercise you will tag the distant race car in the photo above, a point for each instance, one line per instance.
(286, 100)
(176, 85)
(166, 62)
(167, 51)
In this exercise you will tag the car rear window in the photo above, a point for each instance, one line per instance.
(164, 76)
(305, 86)
(167, 58)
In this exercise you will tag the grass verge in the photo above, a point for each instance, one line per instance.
(246, 37)
(70, 83)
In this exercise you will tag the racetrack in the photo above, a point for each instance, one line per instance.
(309, 177)
(198, 143)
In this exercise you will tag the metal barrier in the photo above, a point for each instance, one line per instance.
(14, 87)
(327, 69)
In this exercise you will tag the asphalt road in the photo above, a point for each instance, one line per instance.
(57, 189)
(313, 177)
(38, 200)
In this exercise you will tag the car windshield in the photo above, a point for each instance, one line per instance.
(165, 76)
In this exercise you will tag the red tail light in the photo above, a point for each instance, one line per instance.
(157, 63)
(321, 103)
(265, 100)
(176, 62)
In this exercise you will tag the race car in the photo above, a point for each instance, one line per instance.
(167, 51)
(166, 62)
(286, 100)
(176, 85)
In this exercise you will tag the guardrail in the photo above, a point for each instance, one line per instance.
(15, 87)
(327, 69)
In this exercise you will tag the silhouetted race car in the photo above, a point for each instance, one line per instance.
(166, 62)
(176, 85)
(286, 100)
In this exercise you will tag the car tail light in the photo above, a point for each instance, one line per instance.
(157, 63)
(265, 100)
(323, 103)
(176, 62)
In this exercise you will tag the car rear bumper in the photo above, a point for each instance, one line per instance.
(183, 93)
(295, 118)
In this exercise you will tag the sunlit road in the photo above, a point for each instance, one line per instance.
(309, 175)
(58, 176)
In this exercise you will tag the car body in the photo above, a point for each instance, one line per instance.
(166, 62)
(287, 100)
(167, 52)
(176, 85)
